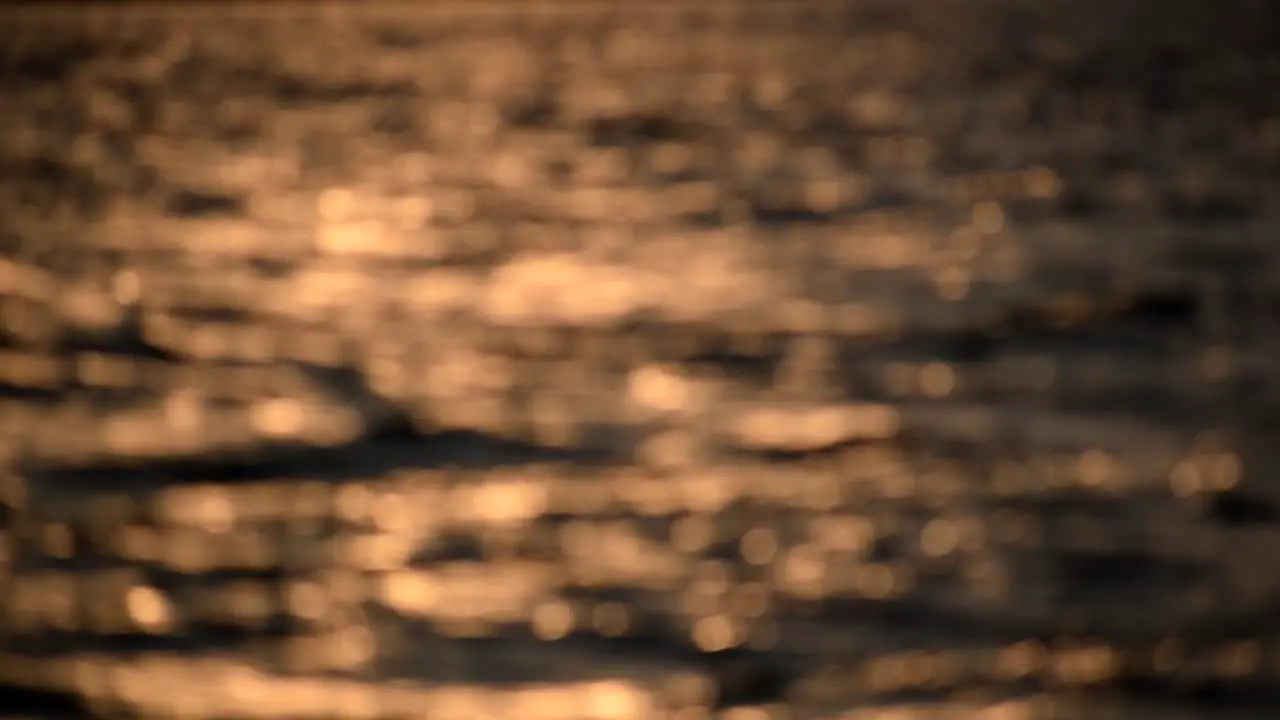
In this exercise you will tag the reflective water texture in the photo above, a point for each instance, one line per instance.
(614, 360)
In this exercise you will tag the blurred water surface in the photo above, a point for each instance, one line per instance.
(617, 360)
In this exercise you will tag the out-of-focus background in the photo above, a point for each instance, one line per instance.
(612, 360)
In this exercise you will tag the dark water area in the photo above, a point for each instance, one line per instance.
(612, 360)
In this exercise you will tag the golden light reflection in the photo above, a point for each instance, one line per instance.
(553, 620)
(758, 546)
(1186, 479)
(58, 541)
(803, 571)
(1043, 183)
(750, 600)
(308, 601)
(843, 533)
(1021, 659)
(281, 417)
(953, 282)
(1085, 665)
(1096, 468)
(773, 427)
(692, 533)
(150, 610)
(611, 619)
(876, 580)
(988, 217)
(937, 380)
(940, 537)
(715, 633)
